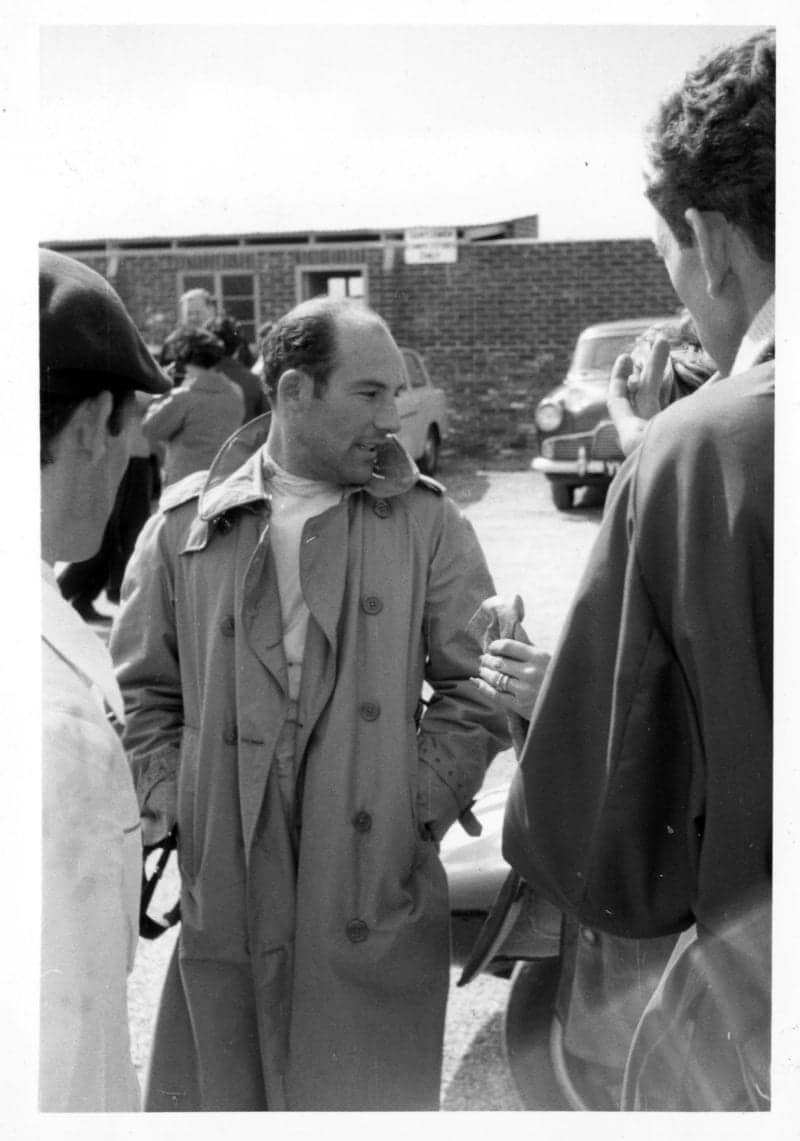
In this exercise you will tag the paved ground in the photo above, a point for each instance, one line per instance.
(532, 550)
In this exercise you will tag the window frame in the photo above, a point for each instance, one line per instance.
(331, 269)
(217, 275)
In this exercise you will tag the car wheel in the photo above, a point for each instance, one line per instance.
(527, 1027)
(547, 1076)
(429, 460)
(562, 494)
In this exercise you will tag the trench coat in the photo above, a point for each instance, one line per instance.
(91, 872)
(194, 420)
(643, 801)
(344, 929)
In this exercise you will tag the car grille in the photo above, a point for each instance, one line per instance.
(567, 447)
(601, 444)
(605, 445)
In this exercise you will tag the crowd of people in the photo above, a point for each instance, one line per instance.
(298, 585)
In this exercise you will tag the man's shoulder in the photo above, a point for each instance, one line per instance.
(726, 413)
(424, 497)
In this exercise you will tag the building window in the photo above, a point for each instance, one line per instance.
(332, 281)
(235, 294)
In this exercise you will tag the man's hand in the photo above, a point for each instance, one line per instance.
(511, 673)
(159, 812)
(635, 391)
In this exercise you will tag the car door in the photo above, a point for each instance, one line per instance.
(408, 409)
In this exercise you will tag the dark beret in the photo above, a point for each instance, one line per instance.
(87, 341)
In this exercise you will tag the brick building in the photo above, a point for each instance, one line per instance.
(496, 323)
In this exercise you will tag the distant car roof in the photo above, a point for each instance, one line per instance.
(632, 324)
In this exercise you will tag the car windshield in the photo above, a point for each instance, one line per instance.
(600, 352)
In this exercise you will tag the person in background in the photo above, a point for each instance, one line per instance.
(255, 397)
(92, 362)
(279, 618)
(643, 802)
(196, 309)
(195, 418)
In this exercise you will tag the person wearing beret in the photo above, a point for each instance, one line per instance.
(92, 363)
(194, 420)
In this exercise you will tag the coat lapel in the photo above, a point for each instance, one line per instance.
(259, 611)
(323, 574)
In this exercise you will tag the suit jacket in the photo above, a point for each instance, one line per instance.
(644, 796)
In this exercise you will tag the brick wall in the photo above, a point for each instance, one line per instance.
(496, 329)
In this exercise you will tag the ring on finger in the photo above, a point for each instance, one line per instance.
(503, 682)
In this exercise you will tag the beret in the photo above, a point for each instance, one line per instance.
(87, 340)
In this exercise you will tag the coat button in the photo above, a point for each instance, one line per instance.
(371, 604)
(223, 524)
(362, 821)
(357, 931)
(381, 508)
(370, 710)
(227, 626)
(230, 736)
(589, 936)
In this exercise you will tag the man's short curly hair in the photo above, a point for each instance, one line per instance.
(305, 338)
(712, 144)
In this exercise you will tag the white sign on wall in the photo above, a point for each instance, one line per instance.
(426, 245)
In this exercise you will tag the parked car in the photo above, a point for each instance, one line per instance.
(578, 444)
(423, 414)
(500, 926)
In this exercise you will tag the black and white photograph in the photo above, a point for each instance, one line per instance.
(413, 710)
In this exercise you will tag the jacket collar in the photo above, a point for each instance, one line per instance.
(73, 641)
(240, 473)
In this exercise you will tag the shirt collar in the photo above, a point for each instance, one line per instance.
(72, 640)
(758, 338)
(240, 473)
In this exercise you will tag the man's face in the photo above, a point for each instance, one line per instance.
(98, 480)
(337, 434)
(196, 311)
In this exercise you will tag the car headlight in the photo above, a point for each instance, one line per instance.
(548, 416)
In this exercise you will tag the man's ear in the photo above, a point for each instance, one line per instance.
(712, 233)
(294, 386)
(91, 424)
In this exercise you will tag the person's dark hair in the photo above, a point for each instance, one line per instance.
(55, 412)
(198, 347)
(304, 338)
(711, 145)
(227, 330)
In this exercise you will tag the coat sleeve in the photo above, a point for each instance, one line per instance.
(144, 647)
(461, 731)
(88, 939)
(166, 416)
(599, 813)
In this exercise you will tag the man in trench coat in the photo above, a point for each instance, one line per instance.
(309, 782)
(643, 802)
